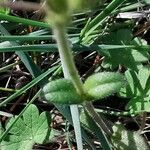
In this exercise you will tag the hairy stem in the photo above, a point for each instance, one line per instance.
(70, 72)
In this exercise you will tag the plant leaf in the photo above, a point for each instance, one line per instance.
(61, 91)
(139, 104)
(144, 77)
(130, 90)
(138, 83)
(127, 57)
(32, 128)
(103, 84)
(123, 139)
(138, 90)
(147, 1)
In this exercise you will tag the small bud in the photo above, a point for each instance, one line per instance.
(58, 12)
(58, 6)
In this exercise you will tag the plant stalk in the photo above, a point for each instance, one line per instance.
(97, 118)
(70, 72)
(69, 69)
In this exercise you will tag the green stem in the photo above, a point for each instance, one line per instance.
(7, 89)
(70, 72)
(67, 61)
(23, 21)
(30, 37)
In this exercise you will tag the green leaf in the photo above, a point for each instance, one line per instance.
(127, 57)
(61, 91)
(32, 128)
(147, 1)
(103, 84)
(144, 77)
(138, 83)
(138, 90)
(130, 90)
(139, 104)
(123, 139)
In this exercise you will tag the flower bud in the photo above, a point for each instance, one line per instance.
(58, 12)
(58, 6)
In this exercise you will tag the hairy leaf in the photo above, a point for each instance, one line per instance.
(61, 91)
(103, 84)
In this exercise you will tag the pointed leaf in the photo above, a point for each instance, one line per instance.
(130, 90)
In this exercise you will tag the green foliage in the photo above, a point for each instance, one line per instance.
(97, 86)
(127, 57)
(147, 1)
(61, 91)
(28, 86)
(32, 128)
(92, 127)
(138, 90)
(123, 139)
(118, 48)
(139, 104)
(103, 84)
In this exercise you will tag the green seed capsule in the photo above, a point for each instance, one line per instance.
(58, 12)
(58, 6)
(61, 91)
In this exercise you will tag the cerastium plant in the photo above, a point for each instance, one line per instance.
(71, 90)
